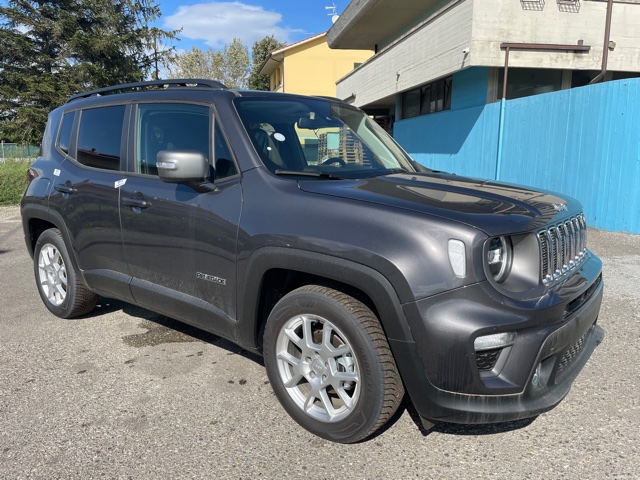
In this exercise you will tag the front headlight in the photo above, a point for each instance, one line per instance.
(499, 255)
(512, 264)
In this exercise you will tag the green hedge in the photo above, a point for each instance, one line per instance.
(13, 181)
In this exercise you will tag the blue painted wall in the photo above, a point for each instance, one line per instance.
(469, 88)
(584, 142)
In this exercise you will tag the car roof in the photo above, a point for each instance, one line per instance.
(190, 83)
(172, 88)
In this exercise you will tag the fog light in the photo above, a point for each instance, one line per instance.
(496, 340)
(537, 376)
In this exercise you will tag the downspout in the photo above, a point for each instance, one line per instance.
(501, 120)
(579, 47)
(605, 47)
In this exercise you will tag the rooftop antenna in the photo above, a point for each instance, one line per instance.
(334, 14)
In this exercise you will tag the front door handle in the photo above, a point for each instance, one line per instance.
(136, 202)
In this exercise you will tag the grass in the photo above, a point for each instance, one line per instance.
(13, 180)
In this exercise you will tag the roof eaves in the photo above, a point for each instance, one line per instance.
(277, 56)
(300, 42)
(270, 63)
(351, 15)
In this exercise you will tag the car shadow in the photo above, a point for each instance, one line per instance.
(161, 329)
(171, 330)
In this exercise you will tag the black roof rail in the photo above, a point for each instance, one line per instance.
(173, 82)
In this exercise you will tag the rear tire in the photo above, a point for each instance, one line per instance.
(330, 365)
(58, 284)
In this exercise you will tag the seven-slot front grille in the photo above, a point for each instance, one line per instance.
(562, 248)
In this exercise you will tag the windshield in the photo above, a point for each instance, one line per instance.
(315, 137)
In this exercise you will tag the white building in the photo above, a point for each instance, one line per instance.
(438, 73)
(434, 55)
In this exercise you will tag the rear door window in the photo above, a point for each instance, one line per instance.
(100, 137)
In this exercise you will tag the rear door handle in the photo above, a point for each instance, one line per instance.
(64, 188)
(136, 202)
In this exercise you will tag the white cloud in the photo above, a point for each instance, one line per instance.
(218, 23)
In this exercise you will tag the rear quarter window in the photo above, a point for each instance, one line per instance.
(66, 126)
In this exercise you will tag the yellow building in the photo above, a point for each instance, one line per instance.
(310, 67)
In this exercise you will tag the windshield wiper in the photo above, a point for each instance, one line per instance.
(387, 171)
(307, 174)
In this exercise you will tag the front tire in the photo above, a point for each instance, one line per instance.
(58, 284)
(330, 365)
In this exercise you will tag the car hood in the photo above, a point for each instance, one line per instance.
(495, 208)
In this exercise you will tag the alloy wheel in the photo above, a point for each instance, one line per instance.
(318, 368)
(52, 274)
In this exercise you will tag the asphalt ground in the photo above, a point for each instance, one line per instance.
(125, 393)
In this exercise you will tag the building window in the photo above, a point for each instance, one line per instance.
(523, 82)
(431, 98)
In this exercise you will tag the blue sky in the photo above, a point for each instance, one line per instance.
(215, 23)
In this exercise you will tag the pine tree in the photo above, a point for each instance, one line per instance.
(51, 49)
(260, 52)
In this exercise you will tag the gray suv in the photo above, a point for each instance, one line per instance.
(297, 228)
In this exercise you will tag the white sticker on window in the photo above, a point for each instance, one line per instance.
(56, 172)
(120, 183)
(278, 136)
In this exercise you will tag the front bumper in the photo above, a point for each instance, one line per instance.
(555, 336)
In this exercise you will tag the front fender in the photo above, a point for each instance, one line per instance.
(372, 283)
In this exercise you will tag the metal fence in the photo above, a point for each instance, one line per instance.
(584, 142)
(14, 151)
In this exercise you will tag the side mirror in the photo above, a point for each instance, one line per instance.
(182, 166)
(189, 167)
